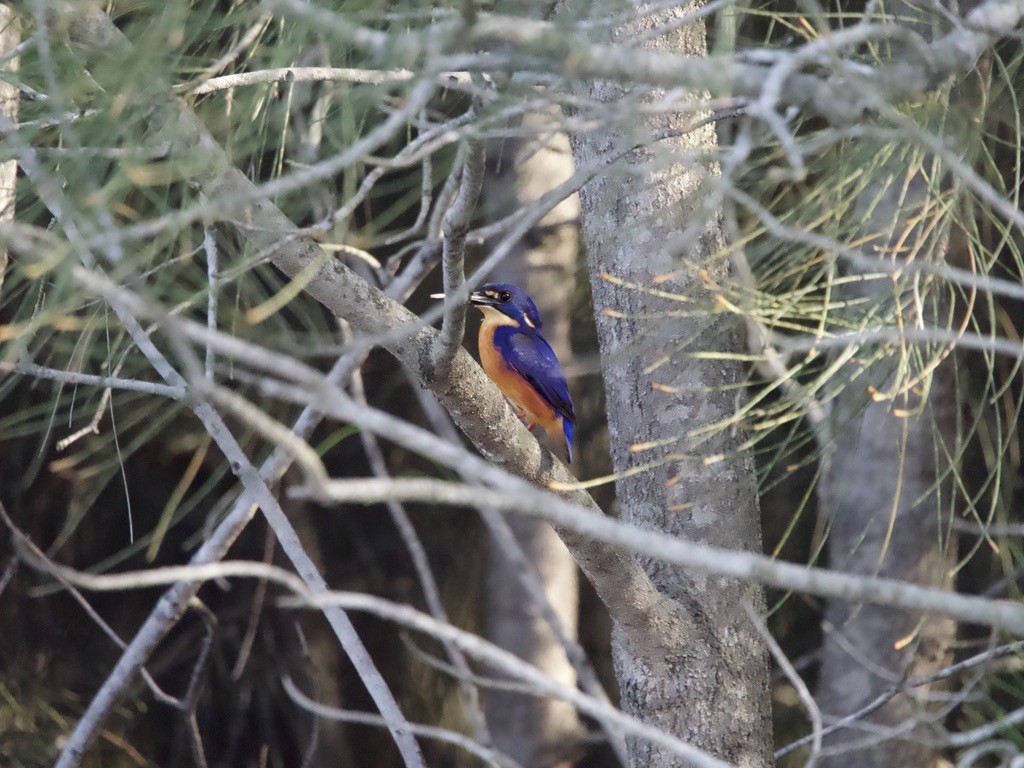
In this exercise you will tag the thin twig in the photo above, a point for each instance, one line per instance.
(425, 144)
(111, 382)
(299, 75)
(250, 37)
(426, 192)
(22, 542)
(9, 572)
(255, 609)
(813, 712)
(460, 80)
(190, 700)
(885, 697)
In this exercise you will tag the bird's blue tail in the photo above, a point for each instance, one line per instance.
(569, 429)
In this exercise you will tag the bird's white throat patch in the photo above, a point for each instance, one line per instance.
(494, 317)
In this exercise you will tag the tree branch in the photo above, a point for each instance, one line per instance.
(455, 228)
(25, 368)
(1004, 614)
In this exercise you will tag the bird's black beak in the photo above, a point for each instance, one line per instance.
(481, 299)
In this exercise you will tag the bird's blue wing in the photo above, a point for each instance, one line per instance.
(532, 358)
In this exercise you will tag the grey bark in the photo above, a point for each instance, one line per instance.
(532, 730)
(889, 512)
(704, 674)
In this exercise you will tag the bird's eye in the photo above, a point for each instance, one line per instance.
(504, 296)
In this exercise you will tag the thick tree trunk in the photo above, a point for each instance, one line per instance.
(882, 491)
(889, 513)
(535, 731)
(705, 678)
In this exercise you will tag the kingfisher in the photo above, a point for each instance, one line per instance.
(520, 361)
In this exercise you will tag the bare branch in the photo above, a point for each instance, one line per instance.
(213, 288)
(110, 382)
(882, 699)
(501, 659)
(318, 75)
(301, 75)
(1005, 614)
(455, 228)
(813, 712)
(987, 731)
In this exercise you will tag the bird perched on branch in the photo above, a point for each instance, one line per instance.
(520, 361)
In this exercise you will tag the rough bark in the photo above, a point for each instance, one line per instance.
(532, 730)
(705, 678)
